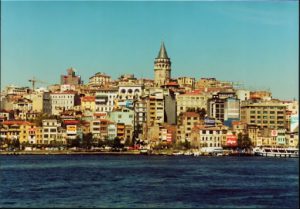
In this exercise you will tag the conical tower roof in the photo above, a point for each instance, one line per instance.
(162, 52)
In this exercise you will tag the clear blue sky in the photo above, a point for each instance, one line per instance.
(252, 42)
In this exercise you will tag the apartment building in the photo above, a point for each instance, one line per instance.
(207, 136)
(191, 100)
(155, 109)
(224, 106)
(99, 79)
(264, 114)
(186, 122)
(105, 100)
(88, 103)
(186, 82)
(51, 131)
(60, 101)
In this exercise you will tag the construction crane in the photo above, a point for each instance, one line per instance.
(34, 80)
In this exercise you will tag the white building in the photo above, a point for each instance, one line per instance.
(105, 100)
(128, 92)
(60, 102)
(50, 131)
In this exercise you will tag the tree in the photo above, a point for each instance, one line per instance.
(87, 140)
(117, 143)
(244, 142)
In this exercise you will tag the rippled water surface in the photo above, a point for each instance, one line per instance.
(148, 181)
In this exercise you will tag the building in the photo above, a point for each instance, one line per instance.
(186, 122)
(162, 67)
(260, 95)
(224, 106)
(191, 100)
(111, 131)
(99, 79)
(207, 136)
(51, 131)
(264, 114)
(155, 108)
(70, 78)
(186, 82)
(170, 109)
(55, 103)
(130, 92)
(72, 128)
(124, 116)
(88, 103)
(105, 100)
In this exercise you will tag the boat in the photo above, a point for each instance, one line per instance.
(276, 152)
(144, 151)
(177, 153)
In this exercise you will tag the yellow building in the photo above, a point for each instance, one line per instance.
(264, 114)
(88, 103)
(191, 100)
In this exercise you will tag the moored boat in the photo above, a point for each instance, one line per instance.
(276, 152)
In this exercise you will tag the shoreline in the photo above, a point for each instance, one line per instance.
(69, 152)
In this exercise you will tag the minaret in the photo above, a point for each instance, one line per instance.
(162, 67)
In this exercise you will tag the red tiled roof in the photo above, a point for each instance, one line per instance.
(172, 84)
(17, 122)
(70, 122)
(191, 114)
(88, 99)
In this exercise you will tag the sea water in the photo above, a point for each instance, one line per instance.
(148, 181)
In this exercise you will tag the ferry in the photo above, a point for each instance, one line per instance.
(276, 152)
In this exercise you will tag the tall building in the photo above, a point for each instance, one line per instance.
(162, 67)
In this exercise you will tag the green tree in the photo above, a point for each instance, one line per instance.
(244, 142)
(87, 140)
(117, 143)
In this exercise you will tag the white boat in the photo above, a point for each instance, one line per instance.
(177, 153)
(276, 152)
(216, 151)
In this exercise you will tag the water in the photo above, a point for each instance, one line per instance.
(148, 181)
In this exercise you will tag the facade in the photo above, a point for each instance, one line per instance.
(264, 114)
(155, 109)
(191, 100)
(162, 67)
(186, 122)
(124, 116)
(63, 101)
(99, 79)
(170, 109)
(204, 136)
(105, 100)
(186, 82)
(224, 106)
(88, 103)
(70, 78)
(51, 129)
(111, 131)
(129, 92)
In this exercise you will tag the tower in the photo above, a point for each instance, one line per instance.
(162, 67)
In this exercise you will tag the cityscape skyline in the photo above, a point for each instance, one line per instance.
(238, 41)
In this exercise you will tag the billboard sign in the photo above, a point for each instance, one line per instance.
(274, 133)
(71, 129)
(231, 140)
(209, 121)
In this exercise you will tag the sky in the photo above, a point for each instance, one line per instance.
(254, 43)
